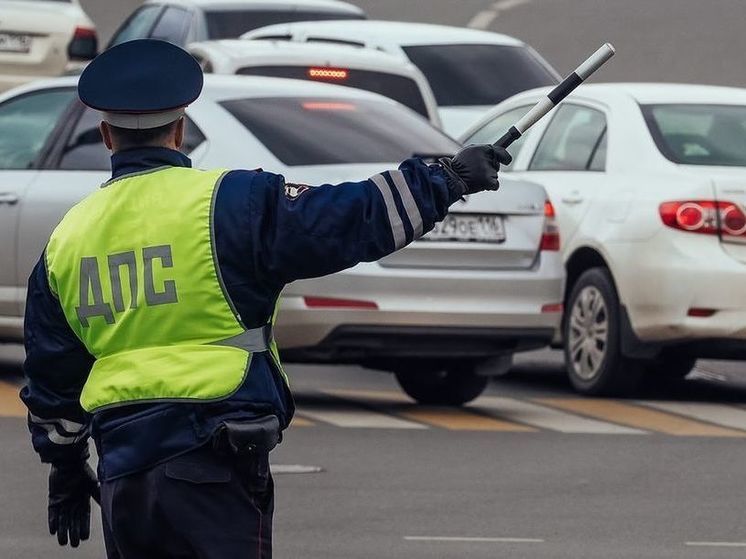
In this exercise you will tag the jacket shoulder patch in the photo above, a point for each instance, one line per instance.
(293, 191)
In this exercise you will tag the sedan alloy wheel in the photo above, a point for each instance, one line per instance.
(592, 338)
(588, 332)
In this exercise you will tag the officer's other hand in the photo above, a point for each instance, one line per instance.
(70, 490)
(474, 168)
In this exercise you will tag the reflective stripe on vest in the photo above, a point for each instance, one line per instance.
(135, 270)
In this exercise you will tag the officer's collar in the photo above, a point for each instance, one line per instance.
(138, 160)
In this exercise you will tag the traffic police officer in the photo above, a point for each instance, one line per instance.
(149, 315)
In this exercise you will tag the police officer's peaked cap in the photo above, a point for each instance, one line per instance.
(140, 84)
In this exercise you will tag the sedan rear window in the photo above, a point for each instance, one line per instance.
(230, 24)
(463, 75)
(138, 26)
(399, 88)
(699, 134)
(328, 131)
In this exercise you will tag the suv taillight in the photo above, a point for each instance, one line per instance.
(550, 237)
(332, 74)
(706, 217)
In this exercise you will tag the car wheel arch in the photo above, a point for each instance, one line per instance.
(582, 259)
(585, 258)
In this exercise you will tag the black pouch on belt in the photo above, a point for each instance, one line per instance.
(242, 438)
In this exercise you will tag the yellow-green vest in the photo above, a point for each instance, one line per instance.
(135, 270)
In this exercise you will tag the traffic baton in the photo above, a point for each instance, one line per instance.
(553, 98)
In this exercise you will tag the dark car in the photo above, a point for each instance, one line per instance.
(185, 21)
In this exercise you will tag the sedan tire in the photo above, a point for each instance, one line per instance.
(449, 385)
(591, 332)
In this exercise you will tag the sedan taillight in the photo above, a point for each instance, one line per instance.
(550, 237)
(83, 45)
(708, 217)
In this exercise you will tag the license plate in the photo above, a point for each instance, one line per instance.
(470, 228)
(12, 42)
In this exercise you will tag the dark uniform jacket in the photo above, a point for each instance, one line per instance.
(267, 234)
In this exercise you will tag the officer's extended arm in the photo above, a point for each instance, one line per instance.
(314, 231)
(57, 365)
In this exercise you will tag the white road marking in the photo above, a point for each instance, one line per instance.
(703, 374)
(549, 418)
(484, 19)
(342, 415)
(468, 539)
(715, 544)
(719, 414)
(505, 5)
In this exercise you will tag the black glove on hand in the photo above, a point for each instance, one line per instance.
(70, 489)
(474, 168)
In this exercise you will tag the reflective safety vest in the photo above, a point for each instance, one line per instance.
(135, 270)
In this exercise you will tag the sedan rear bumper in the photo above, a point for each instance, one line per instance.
(376, 344)
(443, 313)
(675, 275)
(9, 81)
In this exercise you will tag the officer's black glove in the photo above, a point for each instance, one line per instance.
(70, 489)
(474, 168)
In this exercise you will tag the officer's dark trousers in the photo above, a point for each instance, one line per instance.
(199, 505)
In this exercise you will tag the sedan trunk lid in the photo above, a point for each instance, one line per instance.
(489, 231)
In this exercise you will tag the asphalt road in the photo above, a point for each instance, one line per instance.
(530, 471)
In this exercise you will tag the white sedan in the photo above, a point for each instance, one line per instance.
(650, 185)
(483, 285)
(43, 38)
(469, 70)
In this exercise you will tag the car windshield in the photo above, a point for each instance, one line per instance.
(463, 75)
(328, 131)
(699, 134)
(400, 88)
(229, 24)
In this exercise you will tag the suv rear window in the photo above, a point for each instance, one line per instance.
(328, 131)
(463, 75)
(699, 134)
(396, 87)
(229, 24)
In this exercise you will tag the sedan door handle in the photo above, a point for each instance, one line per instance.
(8, 198)
(572, 201)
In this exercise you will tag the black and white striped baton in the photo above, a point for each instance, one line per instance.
(553, 98)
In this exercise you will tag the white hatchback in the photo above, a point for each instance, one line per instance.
(486, 283)
(469, 70)
(650, 185)
(43, 38)
(366, 69)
